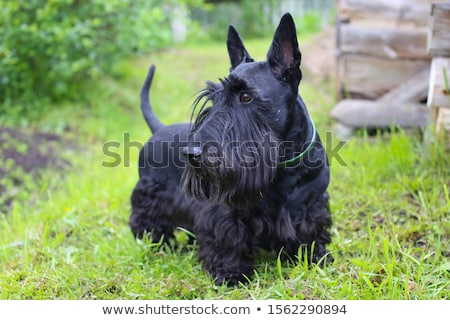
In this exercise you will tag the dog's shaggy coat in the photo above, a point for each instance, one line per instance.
(249, 172)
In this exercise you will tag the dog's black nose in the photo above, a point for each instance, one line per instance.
(192, 153)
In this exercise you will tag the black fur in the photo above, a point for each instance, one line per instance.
(235, 192)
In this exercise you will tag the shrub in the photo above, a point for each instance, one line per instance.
(50, 48)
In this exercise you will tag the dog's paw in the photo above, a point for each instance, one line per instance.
(323, 259)
(229, 279)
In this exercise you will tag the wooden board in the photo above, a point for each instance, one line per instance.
(383, 42)
(375, 114)
(438, 43)
(443, 120)
(415, 89)
(371, 77)
(415, 11)
(438, 93)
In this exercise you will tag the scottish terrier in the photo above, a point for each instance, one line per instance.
(249, 172)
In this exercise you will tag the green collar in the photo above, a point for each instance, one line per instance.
(296, 160)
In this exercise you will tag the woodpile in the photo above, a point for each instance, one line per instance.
(383, 65)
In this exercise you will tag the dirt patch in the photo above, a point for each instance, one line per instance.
(23, 155)
(318, 55)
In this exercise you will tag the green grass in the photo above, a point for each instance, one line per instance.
(69, 238)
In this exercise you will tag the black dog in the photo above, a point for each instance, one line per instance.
(256, 173)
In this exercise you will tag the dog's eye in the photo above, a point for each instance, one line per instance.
(245, 97)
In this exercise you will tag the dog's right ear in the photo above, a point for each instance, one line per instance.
(236, 50)
(284, 56)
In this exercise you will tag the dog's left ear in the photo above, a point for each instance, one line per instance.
(236, 50)
(284, 56)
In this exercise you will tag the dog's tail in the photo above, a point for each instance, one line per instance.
(149, 116)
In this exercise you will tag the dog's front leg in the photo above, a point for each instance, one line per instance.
(225, 247)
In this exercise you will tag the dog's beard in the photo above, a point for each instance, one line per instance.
(238, 160)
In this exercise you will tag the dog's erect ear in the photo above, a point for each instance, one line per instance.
(236, 50)
(284, 56)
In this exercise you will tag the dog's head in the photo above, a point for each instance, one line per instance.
(234, 143)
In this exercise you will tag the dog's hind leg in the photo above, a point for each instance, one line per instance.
(149, 210)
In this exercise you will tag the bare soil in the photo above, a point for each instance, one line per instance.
(25, 152)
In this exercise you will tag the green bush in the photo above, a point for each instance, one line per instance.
(49, 49)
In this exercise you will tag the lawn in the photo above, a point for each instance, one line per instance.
(65, 236)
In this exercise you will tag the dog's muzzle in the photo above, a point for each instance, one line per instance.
(192, 154)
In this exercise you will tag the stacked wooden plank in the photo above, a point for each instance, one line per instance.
(382, 62)
(438, 46)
